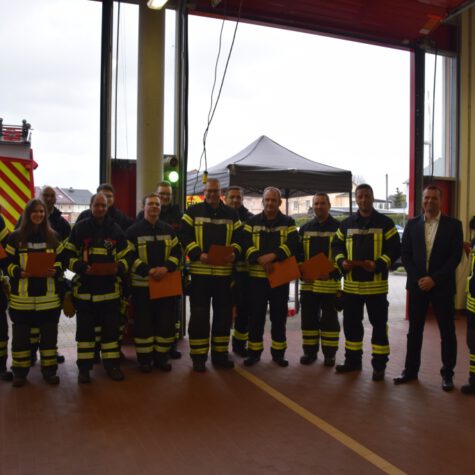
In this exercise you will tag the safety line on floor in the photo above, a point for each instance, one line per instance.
(324, 426)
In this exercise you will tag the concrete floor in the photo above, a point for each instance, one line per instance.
(262, 420)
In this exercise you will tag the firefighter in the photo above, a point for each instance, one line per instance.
(157, 251)
(97, 240)
(318, 297)
(4, 291)
(469, 388)
(34, 301)
(117, 216)
(170, 213)
(204, 224)
(233, 198)
(62, 229)
(269, 236)
(364, 248)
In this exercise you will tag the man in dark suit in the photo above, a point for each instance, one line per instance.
(431, 250)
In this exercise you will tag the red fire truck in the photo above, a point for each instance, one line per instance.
(16, 170)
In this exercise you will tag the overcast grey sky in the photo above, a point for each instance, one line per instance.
(337, 102)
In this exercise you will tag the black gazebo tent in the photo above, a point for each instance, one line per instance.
(266, 163)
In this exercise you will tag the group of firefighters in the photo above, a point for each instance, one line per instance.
(113, 259)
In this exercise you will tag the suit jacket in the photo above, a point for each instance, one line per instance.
(445, 256)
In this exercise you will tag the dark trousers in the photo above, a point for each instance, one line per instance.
(443, 307)
(90, 315)
(207, 291)
(154, 326)
(471, 344)
(277, 299)
(319, 323)
(22, 322)
(353, 312)
(242, 301)
(3, 331)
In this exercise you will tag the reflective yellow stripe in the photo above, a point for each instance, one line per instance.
(279, 345)
(255, 346)
(354, 345)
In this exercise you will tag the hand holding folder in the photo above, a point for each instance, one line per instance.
(317, 266)
(283, 272)
(220, 255)
(168, 286)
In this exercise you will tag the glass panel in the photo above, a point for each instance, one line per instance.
(439, 116)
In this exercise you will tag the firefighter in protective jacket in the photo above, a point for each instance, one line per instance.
(98, 253)
(269, 236)
(157, 252)
(318, 297)
(364, 247)
(205, 224)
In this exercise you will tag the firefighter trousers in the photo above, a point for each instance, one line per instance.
(471, 345)
(319, 323)
(242, 301)
(277, 299)
(22, 322)
(89, 315)
(154, 326)
(353, 311)
(207, 291)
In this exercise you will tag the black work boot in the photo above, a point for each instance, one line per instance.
(222, 360)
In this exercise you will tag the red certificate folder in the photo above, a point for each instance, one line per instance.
(38, 263)
(284, 272)
(219, 255)
(316, 266)
(3, 254)
(168, 286)
(103, 268)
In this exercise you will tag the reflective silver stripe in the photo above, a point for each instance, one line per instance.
(319, 233)
(201, 220)
(158, 237)
(257, 229)
(36, 245)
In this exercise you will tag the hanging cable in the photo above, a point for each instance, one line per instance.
(212, 109)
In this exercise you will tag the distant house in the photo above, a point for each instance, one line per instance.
(70, 201)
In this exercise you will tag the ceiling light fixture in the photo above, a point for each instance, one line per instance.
(156, 4)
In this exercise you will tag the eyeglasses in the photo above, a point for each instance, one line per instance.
(213, 190)
(164, 194)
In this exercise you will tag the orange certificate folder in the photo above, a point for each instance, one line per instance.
(38, 263)
(168, 286)
(103, 268)
(316, 266)
(219, 255)
(3, 254)
(284, 272)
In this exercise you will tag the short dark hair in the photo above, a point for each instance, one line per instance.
(234, 188)
(106, 187)
(150, 195)
(164, 183)
(364, 186)
(322, 193)
(272, 188)
(433, 187)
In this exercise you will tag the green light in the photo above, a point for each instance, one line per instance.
(173, 176)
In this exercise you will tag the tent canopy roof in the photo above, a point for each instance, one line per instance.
(266, 163)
